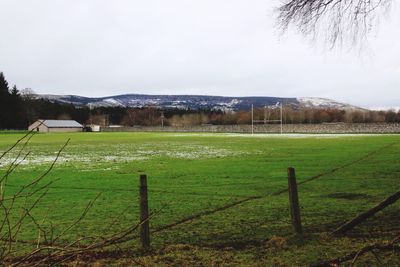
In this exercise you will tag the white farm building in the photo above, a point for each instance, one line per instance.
(47, 126)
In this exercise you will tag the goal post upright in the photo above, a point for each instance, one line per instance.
(252, 119)
(265, 120)
(281, 117)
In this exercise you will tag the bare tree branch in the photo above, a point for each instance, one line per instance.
(338, 21)
(17, 209)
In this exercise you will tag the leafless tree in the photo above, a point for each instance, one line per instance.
(338, 21)
(28, 93)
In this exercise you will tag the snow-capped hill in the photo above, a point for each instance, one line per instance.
(196, 102)
(318, 102)
(68, 99)
(107, 102)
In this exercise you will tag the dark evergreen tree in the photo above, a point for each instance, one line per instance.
(4, 102)
(12, 114)
(17, 110)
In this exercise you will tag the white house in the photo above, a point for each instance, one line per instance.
(47, 126)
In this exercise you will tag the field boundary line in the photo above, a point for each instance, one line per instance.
(84, 188)
(199, 194)
(315, 177)
(233, 204)
(205, 213)
(98, 189)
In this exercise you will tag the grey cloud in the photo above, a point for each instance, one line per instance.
(219, 47)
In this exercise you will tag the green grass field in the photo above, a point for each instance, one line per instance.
(190, 174)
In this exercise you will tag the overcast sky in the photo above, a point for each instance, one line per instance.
(216, 47)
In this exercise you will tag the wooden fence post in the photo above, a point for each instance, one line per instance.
(365, 215)
(294, 201)
(144, 214)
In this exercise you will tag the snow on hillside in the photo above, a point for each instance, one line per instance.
(195, 101)
(318, 102)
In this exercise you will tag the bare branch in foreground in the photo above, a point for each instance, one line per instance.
(336, 20)
(354, 256)
(47, 246)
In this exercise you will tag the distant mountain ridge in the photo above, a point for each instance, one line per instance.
(195, 102)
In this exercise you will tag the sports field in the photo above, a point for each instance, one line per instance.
(219, 198)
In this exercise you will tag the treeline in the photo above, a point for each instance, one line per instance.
(309, 115)
(11, 106)
(18, 109)
(290, 115)
(175, 117)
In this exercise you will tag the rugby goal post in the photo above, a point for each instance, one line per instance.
(265, 120)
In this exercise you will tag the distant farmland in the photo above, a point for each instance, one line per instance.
(219, 198)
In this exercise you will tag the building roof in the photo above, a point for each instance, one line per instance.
(61, 123)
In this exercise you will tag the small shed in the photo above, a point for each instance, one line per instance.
(92, 128)
(47, 126)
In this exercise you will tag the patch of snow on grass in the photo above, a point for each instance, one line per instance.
(93, 155)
